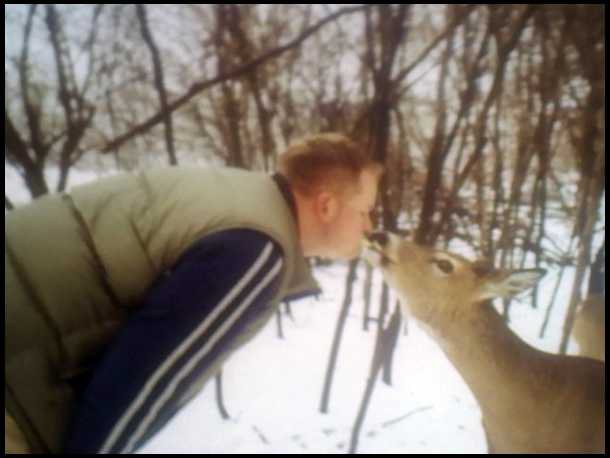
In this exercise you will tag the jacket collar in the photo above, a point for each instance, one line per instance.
(309, 286)
(284, 187)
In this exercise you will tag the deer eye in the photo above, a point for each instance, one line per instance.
(444, 265)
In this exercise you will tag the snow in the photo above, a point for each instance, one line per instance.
(17, 192)
(272, 387)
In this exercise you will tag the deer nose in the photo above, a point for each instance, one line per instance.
(378, 237)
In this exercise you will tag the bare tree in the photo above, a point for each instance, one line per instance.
(588, 42)
(198, 87)
(50, 131)
(159, 82)
(384, 39)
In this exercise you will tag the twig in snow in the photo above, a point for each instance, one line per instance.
(413, 412)
(260, 435)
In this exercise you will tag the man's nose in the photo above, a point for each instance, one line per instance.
(377, 237)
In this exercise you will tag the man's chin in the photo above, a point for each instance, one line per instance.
(355, 253)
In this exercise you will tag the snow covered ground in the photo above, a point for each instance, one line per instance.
(272, 388)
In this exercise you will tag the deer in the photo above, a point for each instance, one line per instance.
(589, 329)
(530, 401)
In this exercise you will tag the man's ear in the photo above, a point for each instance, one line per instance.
(327, 206)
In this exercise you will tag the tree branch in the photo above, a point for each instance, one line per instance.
(239, 71)
(441, 36)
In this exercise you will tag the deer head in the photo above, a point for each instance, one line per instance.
(435, 282)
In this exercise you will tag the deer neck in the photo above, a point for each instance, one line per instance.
(488, 355)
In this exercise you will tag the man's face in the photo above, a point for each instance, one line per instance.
(343, 234)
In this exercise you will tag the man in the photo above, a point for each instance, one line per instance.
(125, 296)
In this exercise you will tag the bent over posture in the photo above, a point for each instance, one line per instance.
(123, 297)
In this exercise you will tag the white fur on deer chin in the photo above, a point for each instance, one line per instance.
(371, 256)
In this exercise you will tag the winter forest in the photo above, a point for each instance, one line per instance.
(489, 120)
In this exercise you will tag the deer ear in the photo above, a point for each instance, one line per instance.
(510, 283)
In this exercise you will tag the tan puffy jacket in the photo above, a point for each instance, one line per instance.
(77, 263)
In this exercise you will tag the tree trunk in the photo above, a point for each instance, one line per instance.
(334, 352)
(159, 83)
(219, 397)
(278, 317)
(366, 293)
